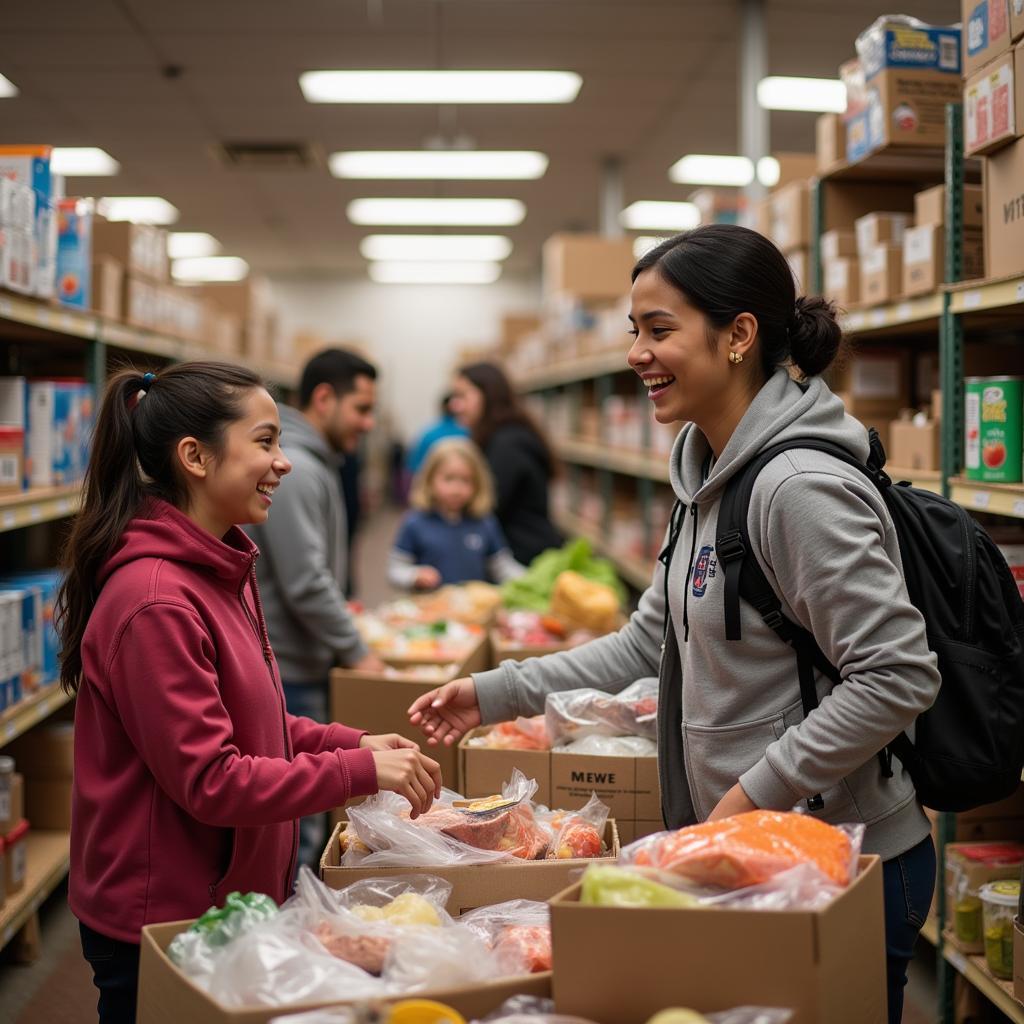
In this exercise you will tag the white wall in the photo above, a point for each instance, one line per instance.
(413, 333)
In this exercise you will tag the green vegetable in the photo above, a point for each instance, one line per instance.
(220, 925)
(608, 886)
(532, 591)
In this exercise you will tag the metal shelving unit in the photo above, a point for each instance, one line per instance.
(30, 711)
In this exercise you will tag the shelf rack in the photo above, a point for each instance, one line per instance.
(47, 859)
(20, 717)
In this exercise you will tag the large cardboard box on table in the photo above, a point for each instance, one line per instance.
(986, 31)
(587, 267)
(828, 966)
(994, 104)
(379, 703)
(476, 885)
(167, 996)
(1004, 211)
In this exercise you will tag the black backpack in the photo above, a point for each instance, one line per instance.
(968, 748)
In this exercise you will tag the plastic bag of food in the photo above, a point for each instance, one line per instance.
(521, 734)
(573, 714)
(455, 955)
(193, 950)
(739, 1015)
(803, 887)
(518, 932)
(577, 834)
(530, 1010)
(582, 603)
(608, 885)
(750, 849)
(610, 746)
(533, 590)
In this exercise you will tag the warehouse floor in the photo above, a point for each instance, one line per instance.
(57, 988)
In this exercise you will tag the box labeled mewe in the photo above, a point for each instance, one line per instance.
(477, 885)
(994, 104)
(168, 996)
(828, 965)
(986, 32)
(1004, 211)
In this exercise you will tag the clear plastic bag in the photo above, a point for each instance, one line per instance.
(530, 1010)
(751, 849)
(518, 932)
(751, 1015)
(610, 746)
(573, 714)
(454, 956)
(520, 734)
(577, 834)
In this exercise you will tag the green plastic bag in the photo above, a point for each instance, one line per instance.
(240, 912)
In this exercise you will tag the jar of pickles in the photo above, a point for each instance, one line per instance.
(999, 905)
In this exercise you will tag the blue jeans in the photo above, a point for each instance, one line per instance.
(310, 701)
(909, 883)
(115, 972)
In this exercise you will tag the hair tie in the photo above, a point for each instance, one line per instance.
(148, 378)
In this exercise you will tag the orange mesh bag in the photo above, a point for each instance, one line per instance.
(749, 849)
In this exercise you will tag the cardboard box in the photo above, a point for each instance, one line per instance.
(107, 287)
(167, 996)
(587, 267)
(969, 866)
(838, 245)
(140, 248)
(515, 326)
(873, 414)
(631, 831)
(994, 104)
(251, 301)
(141, 303)
(877, 229)
(986, 32)
(1016, 19)
(47, 752)
(842, 280)
(881, 376)
(60, 419)
(790, 211)
(1004, 211)
(828, 966)
(914, 447)
(923, 259)
(881, 274)
(48, 803)
(799, 263)
(223, 331)
(476, 885)
(830, 141)
(505, 650)
(930, 206)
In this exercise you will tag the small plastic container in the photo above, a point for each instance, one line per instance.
(999, 905)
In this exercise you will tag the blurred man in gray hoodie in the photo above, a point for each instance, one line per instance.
(303, 562)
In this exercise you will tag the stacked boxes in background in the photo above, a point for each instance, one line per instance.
(880, 250)
(13, 421)
(28, 639)
(59, 431)
(924, 243)
(45, 757)
(27, 227)
(789, 226)
(241, 318)
(74, 252)
(874, 388)
(141, 249)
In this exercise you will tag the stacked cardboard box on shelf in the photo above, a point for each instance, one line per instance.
(248, 304)
(880, 250)
(45, 756)
(28, 233)
(874, 387)
(924, 243)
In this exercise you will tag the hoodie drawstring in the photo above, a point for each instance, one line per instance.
(689, 573)
(675, 527)
(268, 651)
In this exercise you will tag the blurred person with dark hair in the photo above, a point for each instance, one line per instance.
(447, 425)
(517, 452)
(303, 571)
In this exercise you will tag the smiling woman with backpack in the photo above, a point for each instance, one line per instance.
(717, 324)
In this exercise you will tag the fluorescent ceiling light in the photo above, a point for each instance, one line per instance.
(437, 212)
(82, 161)
(434, 248)
(426, 164)
(434, 273)
(440, 86)
(185, 244)
(141, 209)
(7, 88)
(647, 215)
(209, 268)
(643, 244)
(704, 169)
(768, 171)
(821, 95)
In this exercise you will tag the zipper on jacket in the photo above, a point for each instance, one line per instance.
(689, 573)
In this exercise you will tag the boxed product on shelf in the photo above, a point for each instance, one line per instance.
(790, 212)
(1016, 19)
(74, 252)
(12, 459)
(838, 245)
(842, 280)
(826, 964)
(222, 331)
(1014, 555)
(251, 301)
(914, 443)
(60, 421)
(881, 274)
(30, 252)
(930, 210)
(45, 757)
(514, 327)
(17, 205)
(882, 376)
(1004, 211)
(42, 585)
(830, 140)
(140, 248)
(969, 866)
(15, 858)
(141, 303)
(107, 298)
(923, 259)
(12, 799)
(994, 104)
(587, 267)
(799, 263)
(17, 261)
(912, 71)
(877, 229)
(986, 31)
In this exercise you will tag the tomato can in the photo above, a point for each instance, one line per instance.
(993, 414)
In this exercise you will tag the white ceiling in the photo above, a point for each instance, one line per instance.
(659, 81)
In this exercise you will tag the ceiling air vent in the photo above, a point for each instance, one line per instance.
(267, 156)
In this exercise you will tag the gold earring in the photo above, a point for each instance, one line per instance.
(735, 357)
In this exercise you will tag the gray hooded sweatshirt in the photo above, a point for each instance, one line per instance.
(731, 711)
(303, 560)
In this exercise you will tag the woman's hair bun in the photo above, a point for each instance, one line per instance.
(814, 335)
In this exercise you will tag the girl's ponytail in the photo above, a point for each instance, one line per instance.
(141, 418)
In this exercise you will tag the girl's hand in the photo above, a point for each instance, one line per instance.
(448, 712)
(427, 578)
(735, 801)
(387, 741)
(410, 774)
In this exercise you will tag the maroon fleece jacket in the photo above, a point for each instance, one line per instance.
(189, 772)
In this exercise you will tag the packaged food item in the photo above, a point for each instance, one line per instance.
(970, 866)
(999, 902)
(993, 418)
(610, 746)
(613, 886)
(751, 849)
(534, 590)
(522, 734)
(518, 932)
(585, 603)
(573, 714)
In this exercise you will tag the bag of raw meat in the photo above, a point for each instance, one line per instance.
(573, 714)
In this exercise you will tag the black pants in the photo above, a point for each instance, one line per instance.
(115, 972)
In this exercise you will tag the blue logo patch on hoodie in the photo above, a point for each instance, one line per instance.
(703, 570)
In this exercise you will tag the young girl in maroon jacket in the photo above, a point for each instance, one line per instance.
(189, 772)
